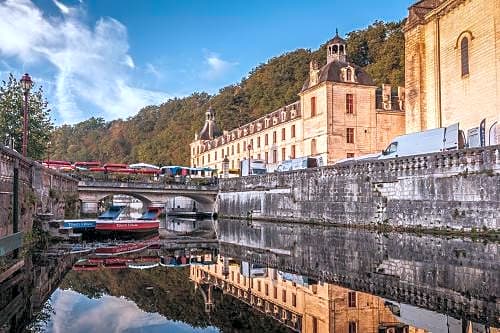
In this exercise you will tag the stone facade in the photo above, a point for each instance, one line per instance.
(457, 189)
(340, 114)
(41, 190)
(452, 63)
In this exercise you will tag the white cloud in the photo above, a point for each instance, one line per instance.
(216, 66)
(63, 8)
(92, 64)
(151, 69)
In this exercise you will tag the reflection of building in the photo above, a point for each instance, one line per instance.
(452, 63)
(340, 114)
(301, 304)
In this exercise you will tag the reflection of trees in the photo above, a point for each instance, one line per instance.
(172, 295)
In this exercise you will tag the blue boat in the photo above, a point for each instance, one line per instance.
(111, 213)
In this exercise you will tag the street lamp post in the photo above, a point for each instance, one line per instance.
(26, 84)
(225, 168)
(249, 160)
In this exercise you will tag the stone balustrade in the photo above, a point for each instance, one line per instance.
(455, 189)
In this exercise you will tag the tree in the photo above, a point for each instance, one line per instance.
(11, 117)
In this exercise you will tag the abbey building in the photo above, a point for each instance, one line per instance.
(340, 114)
(452, 58)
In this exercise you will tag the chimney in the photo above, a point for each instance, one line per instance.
(401, 98)
(386, 96)
(313, 73)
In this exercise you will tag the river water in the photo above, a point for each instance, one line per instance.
(244, 276)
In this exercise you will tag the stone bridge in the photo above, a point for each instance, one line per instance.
(150, 194)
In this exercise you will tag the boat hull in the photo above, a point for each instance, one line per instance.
(127, 226)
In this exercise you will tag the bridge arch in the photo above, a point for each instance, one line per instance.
(156, 194)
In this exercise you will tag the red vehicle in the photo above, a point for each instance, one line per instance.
(115, 166)
(94, 164)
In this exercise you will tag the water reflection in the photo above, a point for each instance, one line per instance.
(259, 277)
(76, 312)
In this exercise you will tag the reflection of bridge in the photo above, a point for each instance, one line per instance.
(150, 194)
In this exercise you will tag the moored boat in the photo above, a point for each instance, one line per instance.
(127, 226)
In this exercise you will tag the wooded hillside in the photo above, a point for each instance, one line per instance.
(161, 134)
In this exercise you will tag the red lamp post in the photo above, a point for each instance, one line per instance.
(26, 84)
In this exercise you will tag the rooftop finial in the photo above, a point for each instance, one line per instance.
(336, 31)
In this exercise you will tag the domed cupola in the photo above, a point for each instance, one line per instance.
(336, 49)
(209, 130)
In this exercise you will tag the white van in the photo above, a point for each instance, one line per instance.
(430, 141)
(299, 164)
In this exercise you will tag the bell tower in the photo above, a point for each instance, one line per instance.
(336, 49)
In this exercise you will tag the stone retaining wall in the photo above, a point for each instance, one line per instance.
(457, 189)
(41, 190)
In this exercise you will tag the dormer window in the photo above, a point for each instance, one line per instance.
(267, 122)
(275, 120)
(348, 75)
(283, 116)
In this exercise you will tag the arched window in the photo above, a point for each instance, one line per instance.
(464, 55)
(313, 147)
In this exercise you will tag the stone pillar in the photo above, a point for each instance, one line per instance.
(89, 207)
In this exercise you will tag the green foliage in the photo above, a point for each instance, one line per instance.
(162, 134)
(11, 117)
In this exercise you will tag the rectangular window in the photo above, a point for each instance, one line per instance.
(244, 145)
(275, 156)
(208, 157)
(315, 325)
(313, 106)
(283, 154)
(215, 156)
(294, 300)
(232, 276)
(245, 281)
(266, 289)
(232, 150)
(266, 139)
(353, 327)
(237, 276)
(258, 156)
(350, 135)
(275, 292)
(293, 131)
(203, 160)
(283, 134)
(238, 148)
(351, 299)
(292, 151)
(350, 155)
(275, 139)
(258, 286)
(232, 164)
(267, 157)
(251, 144)
(227, 151)
(349, 103)
(258, 142)
(283, 296)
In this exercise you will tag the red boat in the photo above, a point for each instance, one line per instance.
(127, 226)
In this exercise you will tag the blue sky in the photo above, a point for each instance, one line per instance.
(109, 58)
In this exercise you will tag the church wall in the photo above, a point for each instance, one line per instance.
(467, 99)
(471, 98)
(415, 84)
